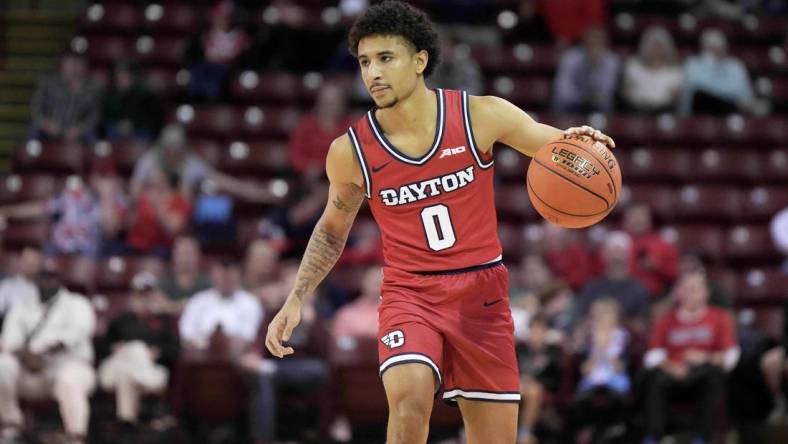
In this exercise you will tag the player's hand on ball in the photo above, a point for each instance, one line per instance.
(595, 134)
(280, 329)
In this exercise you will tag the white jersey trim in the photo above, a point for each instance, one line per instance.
(466, 117)
(482, 396)
(441, 122)
(362, 161)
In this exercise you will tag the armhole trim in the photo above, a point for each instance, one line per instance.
(362, 162)
(466, 117)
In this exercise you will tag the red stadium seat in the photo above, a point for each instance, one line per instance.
(661, 199)
(258, 158)
(649, 164)
(775, 165)
(257, 87)
(750, 243)
(107, 50)
(762, 203)
(160, 50)
(703, 240)
(512, 202)
(510, 164)
(763, 285)
(15, 188)
(49, 157)
(714, 202)
(76, 273)
(123, 154)
(521, 58)
(116, 272)
(162, 80)
(112, 17)
(704, 129)
(630, 130)
(531, 92)
(210, 120)
(177, 17)
(271, 122)
(23, 233)
(726, 165)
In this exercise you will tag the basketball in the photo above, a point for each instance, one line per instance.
(573, 182)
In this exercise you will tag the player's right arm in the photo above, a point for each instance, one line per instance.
(345, 196)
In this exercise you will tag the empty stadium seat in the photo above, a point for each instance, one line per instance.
(209, 120)
(705, 202)
(115, 273)
(122, 153)
(259, 158)
(775, 165)
(532, 92)
(160, 50)
(703, 240)
(650, 164)
(750, 243)
(176, 17)
(269, 122)
(510, 164)
(726, 165)
(114, 17)
(521, 58)
(762, 203)
(659, 198)
(106, 49)
(162, 80)
(256, 87)
(19, 234)
(763, 284)
(16, 188)
(49, 157)
(512, 202)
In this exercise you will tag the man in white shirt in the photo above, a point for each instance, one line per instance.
(225, 306)
(46, 351)
(20, 287)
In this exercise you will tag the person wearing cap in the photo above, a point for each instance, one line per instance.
(172, 155)
(66, 105)
(716, 82)
(46, 351)
(142, 350)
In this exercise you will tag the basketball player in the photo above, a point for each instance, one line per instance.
(423, 160)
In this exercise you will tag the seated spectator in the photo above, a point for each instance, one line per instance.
(84, 215)
(716, 83)
(653, 261)
(690, 350)
(130, 110)
(143, 350)
(540, 374)
(616, 281)
(457, 69)
(20, 287)
(309, 141)
(160, 214)
(305, 372)
(185, 277)
(261, 265)
(359, 319)
(587, 76)
(66, 106)
(212, 53)
(568, 259)
(172, 155)
(47, 352)
(718, 296)
(653, 78)
(224, 309)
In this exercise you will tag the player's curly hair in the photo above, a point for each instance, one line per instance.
(393, 17)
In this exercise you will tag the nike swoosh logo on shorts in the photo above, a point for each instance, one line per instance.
(487, 304)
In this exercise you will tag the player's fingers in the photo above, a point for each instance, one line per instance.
(273, 338)
(287, 351)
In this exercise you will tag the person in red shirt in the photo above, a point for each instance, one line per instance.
(308, 146)
(161, 213)
(690, 350)
(653, 261)
(567, 258)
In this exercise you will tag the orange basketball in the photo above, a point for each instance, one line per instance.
(574, 183)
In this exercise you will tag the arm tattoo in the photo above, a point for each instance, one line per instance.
(321, 253)
(339, 204)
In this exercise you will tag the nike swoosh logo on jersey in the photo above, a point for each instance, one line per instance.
(380, 167)
(488, 304)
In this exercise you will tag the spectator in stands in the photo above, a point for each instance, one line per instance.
(172, 155)
(540, 374)
(46, 351)
(224, 310)
(159, 215)
(261, 265)
(20, 287)
(779, 231)
(306, 373)
(359, 319)
(83, 215)
(568, 20)
(568, 259)
(716, 82)
(653, 261)
(311, 138)
(690, 350)
(185, 277)
(457, 69)
(130, 110)
(587, 76)
(533, 275)
(616, 282)
(143, 349)
(718, 296)
(653, 79)
(66, 106)
(213, 53)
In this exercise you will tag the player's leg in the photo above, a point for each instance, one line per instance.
(489, 422)
(410, 390)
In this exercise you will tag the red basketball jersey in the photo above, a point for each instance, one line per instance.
(436, 212)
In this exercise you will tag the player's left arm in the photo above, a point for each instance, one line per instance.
(497, 120)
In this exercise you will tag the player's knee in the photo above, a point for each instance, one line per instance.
(411, 408)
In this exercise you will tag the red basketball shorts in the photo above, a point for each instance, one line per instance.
(460, 325)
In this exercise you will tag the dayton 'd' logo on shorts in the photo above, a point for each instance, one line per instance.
(394, 339)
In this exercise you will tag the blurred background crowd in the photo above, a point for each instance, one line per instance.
(163, 169)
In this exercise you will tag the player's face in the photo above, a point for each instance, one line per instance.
(390, 68)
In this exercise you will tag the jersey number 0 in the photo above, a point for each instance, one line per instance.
(438, 227)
